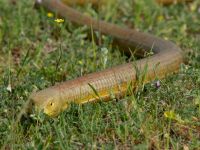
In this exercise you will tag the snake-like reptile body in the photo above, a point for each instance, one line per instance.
(113, 81)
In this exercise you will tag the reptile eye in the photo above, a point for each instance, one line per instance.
(51, 103)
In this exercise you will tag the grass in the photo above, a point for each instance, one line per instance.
(36, 53)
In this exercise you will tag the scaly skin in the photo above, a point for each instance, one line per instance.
(113, 81)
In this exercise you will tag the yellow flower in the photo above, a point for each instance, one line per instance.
(193, 7)
(170, 114)
(50, 15)
(173, 116)
(160, 18)
(80, 62)
(59, 20)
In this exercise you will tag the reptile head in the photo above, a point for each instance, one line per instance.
(48, 102)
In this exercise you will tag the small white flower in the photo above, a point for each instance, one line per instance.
(9, 88)
(105, 56)
(39, 1)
